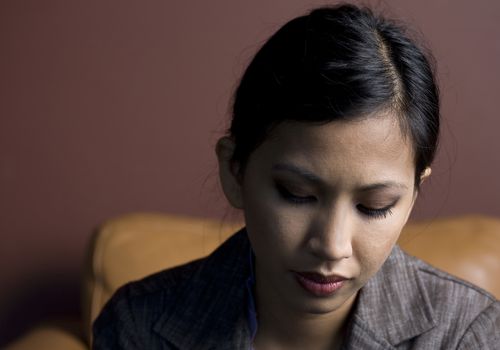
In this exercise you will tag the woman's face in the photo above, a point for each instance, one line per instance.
(324, 206)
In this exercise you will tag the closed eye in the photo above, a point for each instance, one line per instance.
(293, 198)
(376, 213)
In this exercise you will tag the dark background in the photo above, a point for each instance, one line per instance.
(109, 107)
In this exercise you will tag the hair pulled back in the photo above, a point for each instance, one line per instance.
(337, 63)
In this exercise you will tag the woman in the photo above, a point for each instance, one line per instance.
(335, 125)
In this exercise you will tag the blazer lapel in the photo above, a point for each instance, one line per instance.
(360, 336)
(392, 307)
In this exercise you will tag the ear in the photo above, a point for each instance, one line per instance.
(425, 174)
(229, 176)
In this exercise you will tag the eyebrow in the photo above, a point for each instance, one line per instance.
(301, 172)
(383, 185)
(311, 177)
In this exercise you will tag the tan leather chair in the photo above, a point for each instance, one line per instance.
(133, 246)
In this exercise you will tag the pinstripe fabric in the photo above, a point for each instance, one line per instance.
(202, 305)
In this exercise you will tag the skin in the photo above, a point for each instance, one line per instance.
(330, 199)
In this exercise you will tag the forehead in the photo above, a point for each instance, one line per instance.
(363, 150)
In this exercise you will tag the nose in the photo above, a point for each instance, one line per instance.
(331, 235)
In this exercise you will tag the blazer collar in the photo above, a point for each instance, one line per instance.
(210, 311)
(392, 307)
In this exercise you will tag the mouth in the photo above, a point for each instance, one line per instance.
(318, 284)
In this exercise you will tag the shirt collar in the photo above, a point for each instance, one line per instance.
(250, 286)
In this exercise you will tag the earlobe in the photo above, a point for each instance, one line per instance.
(229, 172)
(425, 174)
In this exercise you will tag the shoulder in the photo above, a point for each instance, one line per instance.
(464, 314)
(128, 318)
(450, 293)
(165, 305)
(159, 284)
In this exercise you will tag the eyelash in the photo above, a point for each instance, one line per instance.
(380, 213)
(287, 195)
(376, 213)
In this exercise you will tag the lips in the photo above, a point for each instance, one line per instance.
(318, 284)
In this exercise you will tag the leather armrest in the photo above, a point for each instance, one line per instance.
(49, 337)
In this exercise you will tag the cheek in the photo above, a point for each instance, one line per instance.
(273, 227)
(374, 245)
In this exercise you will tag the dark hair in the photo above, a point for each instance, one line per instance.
(337, 63)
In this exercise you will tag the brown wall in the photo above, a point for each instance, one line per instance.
(108, 107)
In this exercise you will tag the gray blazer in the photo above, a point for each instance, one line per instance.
(203, 305)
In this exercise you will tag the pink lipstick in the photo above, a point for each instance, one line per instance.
(318, 284)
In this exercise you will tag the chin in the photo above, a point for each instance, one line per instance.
(322, 306)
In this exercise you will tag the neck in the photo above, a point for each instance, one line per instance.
(283, 327)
